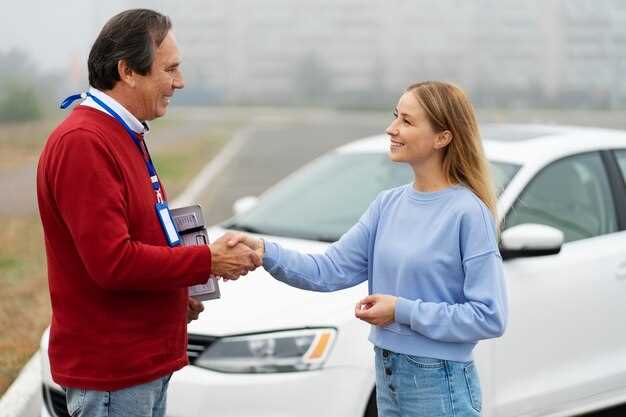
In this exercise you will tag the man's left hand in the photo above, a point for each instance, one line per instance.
(194, 308)
(377, 309)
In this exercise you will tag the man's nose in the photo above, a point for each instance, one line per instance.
(179, 82)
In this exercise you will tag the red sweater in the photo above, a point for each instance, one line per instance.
(118, 292)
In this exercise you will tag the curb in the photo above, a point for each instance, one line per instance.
(23, 396)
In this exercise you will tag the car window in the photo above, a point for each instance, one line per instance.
(621, 160)
(501, 174)
(323, 200)
(572, 195)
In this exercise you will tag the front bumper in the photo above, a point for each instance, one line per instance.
(196, 392)
(337, 391)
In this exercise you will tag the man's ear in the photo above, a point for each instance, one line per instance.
(443, 139)
(126, 74)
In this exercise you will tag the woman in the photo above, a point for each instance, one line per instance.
(430, 254)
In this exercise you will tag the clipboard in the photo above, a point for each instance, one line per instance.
(191, 228)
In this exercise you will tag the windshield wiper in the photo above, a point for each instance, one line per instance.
(243, 228)
(330, 238)
(324, 238)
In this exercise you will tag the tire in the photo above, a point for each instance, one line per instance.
(371, 410)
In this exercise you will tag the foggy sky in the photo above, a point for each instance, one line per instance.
(54, 33)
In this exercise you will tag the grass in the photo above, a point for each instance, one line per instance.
(25, 305)
(178, 162)
(21, 142)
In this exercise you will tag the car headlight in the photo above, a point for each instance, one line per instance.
(282, 351)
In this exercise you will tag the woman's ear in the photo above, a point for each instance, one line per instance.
(443, 139)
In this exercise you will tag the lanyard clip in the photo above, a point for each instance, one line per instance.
(159, 196)
(69, 100)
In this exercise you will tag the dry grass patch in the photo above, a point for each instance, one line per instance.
(20, 142)
(178, 162)
(25, 307)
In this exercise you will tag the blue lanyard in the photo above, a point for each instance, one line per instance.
(154, 179)
(162, 210)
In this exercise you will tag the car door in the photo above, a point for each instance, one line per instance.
(565, 345)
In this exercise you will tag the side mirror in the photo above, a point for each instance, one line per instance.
(529, 240)
(244, 204)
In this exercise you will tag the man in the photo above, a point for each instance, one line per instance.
(118, 290)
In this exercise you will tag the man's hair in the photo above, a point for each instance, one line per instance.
(131, 36)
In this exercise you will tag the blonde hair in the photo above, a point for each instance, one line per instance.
(448, 108)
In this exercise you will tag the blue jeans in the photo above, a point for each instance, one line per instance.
(145, 400)
(412, 386)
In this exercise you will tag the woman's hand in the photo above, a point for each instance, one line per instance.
(253, 243)
(377, 309)
(235, 238)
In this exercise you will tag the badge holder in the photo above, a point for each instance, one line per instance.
(165, 217)
(191, 228)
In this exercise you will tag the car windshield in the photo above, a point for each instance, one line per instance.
(323, 200)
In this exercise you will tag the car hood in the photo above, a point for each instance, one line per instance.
(257, 302)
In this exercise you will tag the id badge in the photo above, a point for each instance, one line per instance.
(167, 224)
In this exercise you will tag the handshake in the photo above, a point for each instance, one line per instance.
(235, 254)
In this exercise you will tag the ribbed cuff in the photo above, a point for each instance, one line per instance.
(403, 310)
(270, 256)
(205, 253)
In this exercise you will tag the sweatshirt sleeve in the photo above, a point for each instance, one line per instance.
(87, 185)
(482, 311)
(344, 264)
(482, 315)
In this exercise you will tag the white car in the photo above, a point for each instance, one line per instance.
(266, 349)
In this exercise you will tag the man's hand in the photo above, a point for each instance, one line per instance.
(377, 309)
(194, 308)
(232, 261)
(257, 245)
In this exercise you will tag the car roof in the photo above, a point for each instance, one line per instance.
(522, 143)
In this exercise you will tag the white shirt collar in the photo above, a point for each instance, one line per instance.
(127, 116)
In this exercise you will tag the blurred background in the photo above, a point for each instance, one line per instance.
(346, 53)
(332, 67)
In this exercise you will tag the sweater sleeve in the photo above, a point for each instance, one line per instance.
(344, 264)
(88, 189)
(482, 311)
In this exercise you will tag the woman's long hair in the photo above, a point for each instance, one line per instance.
(448, 108)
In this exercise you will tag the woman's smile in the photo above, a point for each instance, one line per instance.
(395, 145)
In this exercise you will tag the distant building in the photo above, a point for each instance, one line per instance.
(503, 52)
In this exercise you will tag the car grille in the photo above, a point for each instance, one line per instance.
(196, 345)
(54, 401)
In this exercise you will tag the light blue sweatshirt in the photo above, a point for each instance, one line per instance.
(437, 252)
